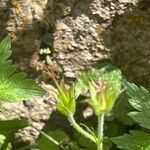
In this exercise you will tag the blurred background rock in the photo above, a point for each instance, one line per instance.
(55, 38)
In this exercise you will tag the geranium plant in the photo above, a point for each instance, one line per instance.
(13, 87)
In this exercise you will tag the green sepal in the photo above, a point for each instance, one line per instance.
(65, 98)
(103, 101)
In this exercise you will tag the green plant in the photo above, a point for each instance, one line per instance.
(102, 105)
(13, 87)
(137, 139)
(104, 88)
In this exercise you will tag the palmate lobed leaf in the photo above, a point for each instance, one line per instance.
(136, 140)
(138, 95)
(142, 117)
(122, 108)
(14, 87)
(140, 100)
(17, 87)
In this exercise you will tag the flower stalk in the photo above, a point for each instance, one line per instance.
(80, 130)
(103, 95)
(100, 132)
(46, 135)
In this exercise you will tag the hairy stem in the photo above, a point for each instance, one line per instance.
(80, 130)
(46, 136)
(100, 132)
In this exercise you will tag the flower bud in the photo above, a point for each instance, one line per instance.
(105, 92)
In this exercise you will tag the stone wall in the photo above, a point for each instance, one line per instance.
(79, 34)
(64, 37)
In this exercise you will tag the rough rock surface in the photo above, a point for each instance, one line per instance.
(37, 110)
(130, 48)
(74, 31)
(78, 42)
(77, 34)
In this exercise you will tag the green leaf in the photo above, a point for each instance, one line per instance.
(114, 128)
(140, 100)
(122, 108)
(58, 135)
(73, 146)
(89, 145)
(147, 148)
(5, 52)
(14, 87)
(84, 142)
(142, 117)
(137, 95)
(10, 127)
(107, 144)
(136, 140)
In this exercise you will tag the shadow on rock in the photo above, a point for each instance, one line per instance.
(128, 40)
